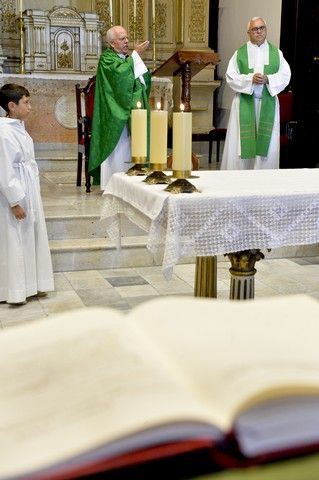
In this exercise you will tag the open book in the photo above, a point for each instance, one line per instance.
(93, 389)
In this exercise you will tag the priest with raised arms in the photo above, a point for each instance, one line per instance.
(122, 80)
(257, 72)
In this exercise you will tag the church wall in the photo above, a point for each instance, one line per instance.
(233, 18)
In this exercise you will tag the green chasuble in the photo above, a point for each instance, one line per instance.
(116, 93)
(255, 141)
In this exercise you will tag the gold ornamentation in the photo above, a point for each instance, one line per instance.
(243, 263)
(161, 19)
(65, 59)
(139, 33)
(197, 26)
(103, 10)
(8, 15)
(242, 271)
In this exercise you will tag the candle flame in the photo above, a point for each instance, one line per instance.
(182, 107)
(158, 105)
(138, 104)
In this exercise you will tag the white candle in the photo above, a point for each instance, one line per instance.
(182, 140)
(158, 148)
(139, 132)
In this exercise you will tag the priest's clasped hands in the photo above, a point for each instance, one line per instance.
(260, 79)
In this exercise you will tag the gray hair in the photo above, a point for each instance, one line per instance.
(253, 20)
(111, 33)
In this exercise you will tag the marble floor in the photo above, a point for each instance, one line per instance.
(124, 288)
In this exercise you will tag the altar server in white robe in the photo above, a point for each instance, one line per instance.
(25, 260)
(257, 72)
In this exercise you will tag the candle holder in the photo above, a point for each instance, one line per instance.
(157, 177)
(181, 184)
(140, 168)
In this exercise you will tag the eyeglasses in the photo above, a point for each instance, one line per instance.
(258, 29)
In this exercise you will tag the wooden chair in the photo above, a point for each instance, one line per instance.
(84, 110)
(215, 135)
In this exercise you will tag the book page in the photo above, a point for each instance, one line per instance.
(238, 353)
(78, 381)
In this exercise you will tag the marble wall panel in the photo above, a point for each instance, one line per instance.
(53, 115)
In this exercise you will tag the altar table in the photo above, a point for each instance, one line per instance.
(233, 211)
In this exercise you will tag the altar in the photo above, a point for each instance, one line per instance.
(234, 211)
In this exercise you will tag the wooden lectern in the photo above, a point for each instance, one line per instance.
(186, 63)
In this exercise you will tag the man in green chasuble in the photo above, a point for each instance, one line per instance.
(121, 81)
(257, 72)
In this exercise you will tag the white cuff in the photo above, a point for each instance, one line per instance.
(139, 66)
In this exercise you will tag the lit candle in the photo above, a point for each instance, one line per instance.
(111, 11)
(158, 148)
(139, 133)
(182, 140)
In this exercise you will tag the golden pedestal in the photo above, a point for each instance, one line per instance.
(206, 277)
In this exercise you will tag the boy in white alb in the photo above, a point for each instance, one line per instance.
(25, 260)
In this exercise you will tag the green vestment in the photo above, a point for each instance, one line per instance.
(255, 141)
(116, 93)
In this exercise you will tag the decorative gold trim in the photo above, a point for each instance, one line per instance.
(139, 159)
(157, 166)
(182, 173)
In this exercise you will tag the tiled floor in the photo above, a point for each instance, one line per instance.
(122, 289)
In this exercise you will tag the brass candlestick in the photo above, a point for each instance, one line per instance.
(140, 168)
(181, 184)
(157, 176)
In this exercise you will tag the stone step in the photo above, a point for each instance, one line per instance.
(66, 164)
(100, 253)
(85, 227)
(60, 177)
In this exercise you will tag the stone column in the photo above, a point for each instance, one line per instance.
(242, 271)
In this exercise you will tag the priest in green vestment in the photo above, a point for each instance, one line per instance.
(257, 72)
(121, 81)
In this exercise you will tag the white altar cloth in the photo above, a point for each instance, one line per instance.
(234, 211)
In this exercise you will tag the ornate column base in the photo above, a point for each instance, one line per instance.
(206, 277)
(242, 271)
